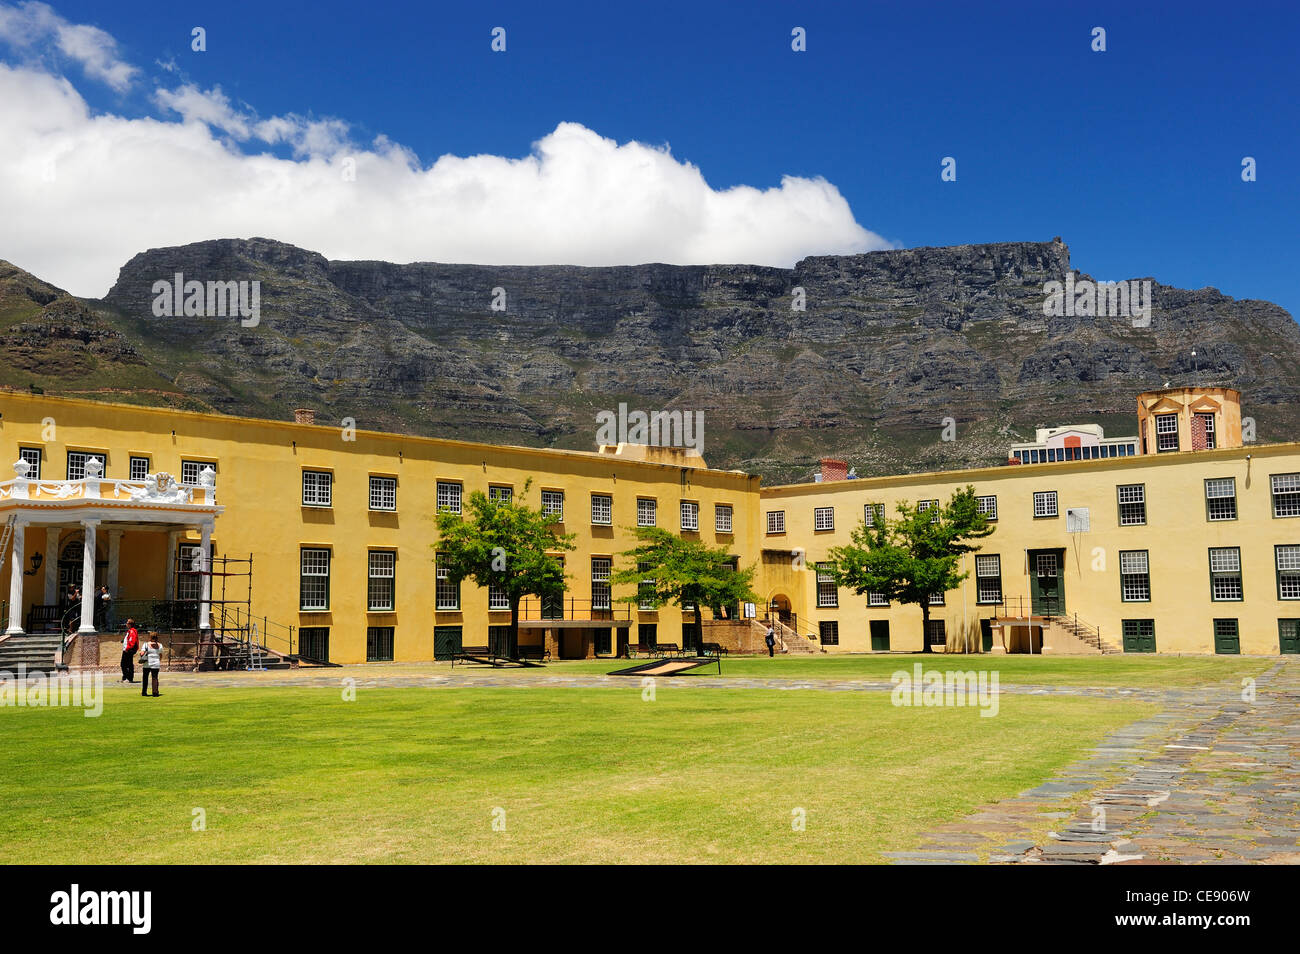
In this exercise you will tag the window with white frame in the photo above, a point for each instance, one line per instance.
(33, 457)
(317, 488)
(988, 578)
(872, 513)
(446, 594)
(1225, 573)
(1134, 576)
(498, 598)
(1287, 557)
(497, 494)
(191, 469)
(926, 506)
(1045, 565)
(1286, 495)
(553, 503)
(1221, 498)
(690, 515)
(1045, 503)
(823, 518)
(77, 464)
(877, 599)
(602, 509)
(936, 599)
(600, 570)
(448, 496)
(722, 518)
(988, 505)
(646, 512)
(776, 521)
(314, 589)
(828, 594)
(189, 582)
(382, 587)
(1166, 432)
(383, 493)
(138, 469)
(1132, 504)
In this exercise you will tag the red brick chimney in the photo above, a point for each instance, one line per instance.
(833, 469)
(304, 415)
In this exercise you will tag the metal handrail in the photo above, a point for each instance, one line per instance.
(533, 609)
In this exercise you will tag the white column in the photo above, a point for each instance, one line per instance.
(169, 586)
(19, 554)
(114, 558)
(51, 566)
(205, 541)
(88, 578)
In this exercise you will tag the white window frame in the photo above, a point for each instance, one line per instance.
(823, 518)
(722, 518)
(195, 468)
(1286, 559)
(602, 510)
(131, 468)
(828, 594)
(34, 456)
(690, 515)
(500, 493)
(449, 494)
(446, 595)
(1226, 577)
(311, 560)
(383, 493)
(1134, 576)
(987, 504)
(601, 595)
(553, 503)
(776, 521)
(1045, 504)
(317, 488)
(381, 565)
(1163, 430)
(1131, 496)
(871, 513)
(1220, 489)
(77, 467)
(647, 512)
(1284, 489)
(988, 566)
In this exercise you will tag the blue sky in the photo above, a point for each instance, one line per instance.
(1133, 156)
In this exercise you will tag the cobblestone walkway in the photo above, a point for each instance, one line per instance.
(1212, 779)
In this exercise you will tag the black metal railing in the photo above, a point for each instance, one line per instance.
(1047, 607)
(532, 609)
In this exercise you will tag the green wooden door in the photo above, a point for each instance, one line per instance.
(446, 641)
(1226, 639)
(1047, 589)
(1288, 637)
(986, 635)
(880, 635)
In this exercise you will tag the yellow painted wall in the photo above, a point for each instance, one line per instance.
(1177, 536)
(259, 464)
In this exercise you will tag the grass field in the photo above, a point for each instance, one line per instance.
(582, 775)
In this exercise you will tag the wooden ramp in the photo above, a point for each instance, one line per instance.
(668, 667)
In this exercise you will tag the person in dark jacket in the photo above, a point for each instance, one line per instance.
(770, 639)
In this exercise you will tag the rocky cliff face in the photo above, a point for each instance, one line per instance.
(888, 345)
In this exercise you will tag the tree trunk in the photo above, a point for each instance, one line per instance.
(699, 629)
(925, 625)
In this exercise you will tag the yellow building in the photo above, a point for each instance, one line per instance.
(323, 535)
(338, 523)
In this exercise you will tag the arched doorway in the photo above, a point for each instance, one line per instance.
(779, 607)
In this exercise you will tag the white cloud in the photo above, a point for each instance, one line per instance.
(32, 27)
(82, 192)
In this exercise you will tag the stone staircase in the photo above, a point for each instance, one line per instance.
(1085, 633)
(787, 640)
(36, 652)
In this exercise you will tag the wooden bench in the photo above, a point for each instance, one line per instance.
(533, 652)
(667, 649)
(714, 649)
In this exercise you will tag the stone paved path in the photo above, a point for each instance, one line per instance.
(1212, 779)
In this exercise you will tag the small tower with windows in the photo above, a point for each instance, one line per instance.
(1188, 419)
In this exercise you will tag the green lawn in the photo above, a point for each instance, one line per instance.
(583, 775)
(1136, 671)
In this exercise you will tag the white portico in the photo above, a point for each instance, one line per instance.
(96, 513)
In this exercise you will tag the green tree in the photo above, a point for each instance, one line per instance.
(912, 556)
(503, 544)
(685, 572)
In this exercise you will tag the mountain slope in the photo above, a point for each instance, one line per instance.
(890, 344)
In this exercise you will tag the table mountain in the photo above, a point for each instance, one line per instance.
(888, 345)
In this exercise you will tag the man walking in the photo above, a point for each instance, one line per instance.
(129, 643)
(770, 639)
(151, 656)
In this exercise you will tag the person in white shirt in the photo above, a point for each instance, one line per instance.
(151, 658)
